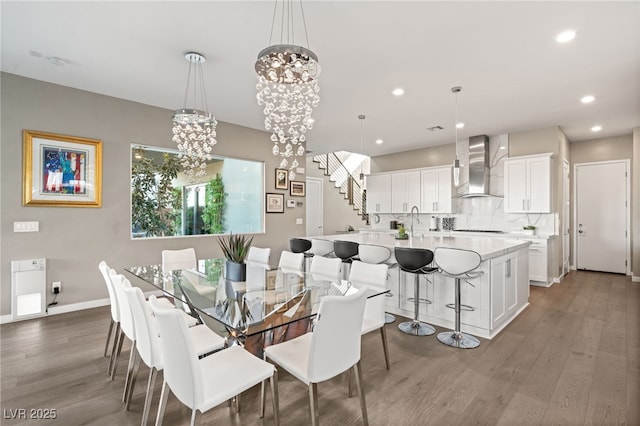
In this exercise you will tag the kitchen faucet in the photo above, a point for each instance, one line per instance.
(417, 217)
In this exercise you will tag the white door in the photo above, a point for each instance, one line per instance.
(314, 207)
(601, 216)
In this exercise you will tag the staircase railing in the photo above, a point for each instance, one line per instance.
(344, 180)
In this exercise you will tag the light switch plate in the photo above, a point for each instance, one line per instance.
(299, 221)
(26, 226)
(300, 170)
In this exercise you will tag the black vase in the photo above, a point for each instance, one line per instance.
(235, 271)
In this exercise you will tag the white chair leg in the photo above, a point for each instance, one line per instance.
(132, 361)
(363, 404)
(195, 417)
(147, 400)
(274, 397)
(313, 402)
(132, 383)
(385, 348)
(106, 344)
(164, 396)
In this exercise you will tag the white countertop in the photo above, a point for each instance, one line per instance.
(420, 232)
(487, 248)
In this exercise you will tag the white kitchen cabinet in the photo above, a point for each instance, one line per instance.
(527, 184)
(379, 193)
(436, 190)
(504, 291)
(405, 191)
(538, 261)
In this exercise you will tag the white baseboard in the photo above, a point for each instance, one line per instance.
(635, 278)
(72, 307)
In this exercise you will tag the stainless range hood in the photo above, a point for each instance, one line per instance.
(478, 167)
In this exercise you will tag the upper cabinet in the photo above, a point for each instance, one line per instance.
(379, 193)
(405, 191)
(436, 190)
(527, 184)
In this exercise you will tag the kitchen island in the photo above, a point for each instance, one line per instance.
(496, 297)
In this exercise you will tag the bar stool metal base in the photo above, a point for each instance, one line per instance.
(416, 328)
(459, 340)
(388, 318)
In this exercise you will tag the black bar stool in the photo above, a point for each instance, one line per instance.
(348, 252)
(301, 245)
(458, 264)
(415, 261)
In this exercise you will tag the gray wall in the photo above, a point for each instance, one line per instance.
(75, 240)
(427, 157)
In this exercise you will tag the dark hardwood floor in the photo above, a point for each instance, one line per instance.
(572, 357)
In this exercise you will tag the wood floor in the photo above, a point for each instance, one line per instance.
(572, 357)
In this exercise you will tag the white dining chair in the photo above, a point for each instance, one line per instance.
(202, 384)
(331, 349)
(257, 262)
(114, 324)
(179, 259)
(148, 345)
(371, 253)
(326, 268)
(291, 262)
(366, 275)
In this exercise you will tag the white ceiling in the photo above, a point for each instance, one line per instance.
(514, 76)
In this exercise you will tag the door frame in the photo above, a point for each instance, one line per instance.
(627, 209)
(566, 218)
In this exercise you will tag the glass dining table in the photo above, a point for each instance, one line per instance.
(275, 307)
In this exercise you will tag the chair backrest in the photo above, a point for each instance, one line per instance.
(326, 267)
(257, 266)
(126, 320)
(345, 250)
(178, 259)
(320, 247)
(456, 261)
(147, 340)
(113, 299)
(181, 368)
(291, 262)
(335, 341)
(299, 245)
(413, 259)
(373, 254)
(368, 274)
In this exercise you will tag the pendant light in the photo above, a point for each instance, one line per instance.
(456, 162)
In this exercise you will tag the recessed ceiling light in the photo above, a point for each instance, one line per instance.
(587, 99)
(566, 36)
(460, 125)
(379, 141)
(596, 128)
(398, 92)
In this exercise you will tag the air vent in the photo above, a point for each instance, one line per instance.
(434, 128)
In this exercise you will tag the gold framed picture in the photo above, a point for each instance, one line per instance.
(60, 170)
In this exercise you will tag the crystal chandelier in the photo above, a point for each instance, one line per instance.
(288, 89)
(456, 162)
(194, 130)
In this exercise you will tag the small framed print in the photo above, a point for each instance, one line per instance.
(282, 179)
(291, 203)
(296, 189)
(274, 203)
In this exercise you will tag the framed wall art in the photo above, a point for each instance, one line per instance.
(282, 179)
(297, 189)
(274, 203)
(61, 171)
